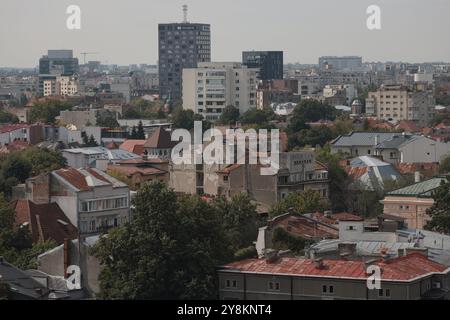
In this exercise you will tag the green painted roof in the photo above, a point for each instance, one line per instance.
(421, 189)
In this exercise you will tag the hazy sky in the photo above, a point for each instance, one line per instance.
(125, 31)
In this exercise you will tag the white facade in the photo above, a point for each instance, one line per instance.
(208, 89)
(66, 86)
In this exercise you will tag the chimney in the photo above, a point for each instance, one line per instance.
(66, 256)
(318, 263)
(401, 252)
(417, 177)
(271, 256)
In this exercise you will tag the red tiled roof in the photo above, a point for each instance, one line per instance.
(133, 146)
(143, 161)
(78, 179)
(427, 169)
(302, 227)
(43, 222)
(129, 171)
(12, 127)
(160, 139)
(356, 172)
(399, 269)
(408, 126)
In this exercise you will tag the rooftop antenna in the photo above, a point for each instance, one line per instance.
(185, 12)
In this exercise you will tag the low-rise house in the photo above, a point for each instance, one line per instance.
(370, 173)
(159, 144)
(133, 146)
(92, 200)
(411, 277)
(45, 221)
(139, 171)
(412, 202)
(392, 147)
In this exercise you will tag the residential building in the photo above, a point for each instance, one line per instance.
(370, 173)
(299, 171)
(46, 221)
(159, 144)
(139, 171)
(181, 45)
(395, 103)
(211, 87)
(269, 63)
(412, 202)
(55, 64)
(411, 277)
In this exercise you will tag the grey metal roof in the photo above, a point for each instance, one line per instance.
(397, 141)
(362, 139)
(421, 189)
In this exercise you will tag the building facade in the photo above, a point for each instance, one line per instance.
(211, 87)
(181, 45)
(396, 103)
(269, 63)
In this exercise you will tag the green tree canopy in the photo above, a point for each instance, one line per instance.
(168, 251)
(48, 111)
(229, 115)
(440, 211)
(300, 202)
(183, 119)
(310, 111)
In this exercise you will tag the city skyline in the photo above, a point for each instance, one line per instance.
(303, 30)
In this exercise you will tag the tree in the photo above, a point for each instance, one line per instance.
(18, 166)
(140, 133)
(309, 111)
(48, 111)
(240, 220)
(230, 115)
(168, 251)
(107, 119)
(317, 135)
(183, 119)
(444, 166)
(300, 202)
(92, 142)
(440, 210)
(257, 116)
(7, 117)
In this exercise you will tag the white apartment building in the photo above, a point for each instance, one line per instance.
(212, 86)
(60, 86)
(396, 103)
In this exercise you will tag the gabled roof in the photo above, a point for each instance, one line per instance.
(406, 268)
(160, 139)
(408, 126)
(421, 189)
(362, 139)
(398, 141)
(45, 221)
(130, 171)
(134, 146)
(87, 179)
(20, 282)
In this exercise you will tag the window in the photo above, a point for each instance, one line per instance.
(231, 283)
(327, 289)
(274, 286)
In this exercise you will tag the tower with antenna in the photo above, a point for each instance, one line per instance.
(185, 13)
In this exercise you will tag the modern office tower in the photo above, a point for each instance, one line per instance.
(270, 63)
(55, 64)
(181, 45)
(212, 86)
(346, 63)
(60, 62)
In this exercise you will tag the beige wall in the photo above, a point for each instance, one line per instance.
(410, 208)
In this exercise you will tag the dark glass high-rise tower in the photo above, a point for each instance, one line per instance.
(269, 63)
(181, 45)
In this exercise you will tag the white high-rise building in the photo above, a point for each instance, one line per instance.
(212, 86)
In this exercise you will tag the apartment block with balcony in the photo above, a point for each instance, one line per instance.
(210, 87)
(396, 103)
